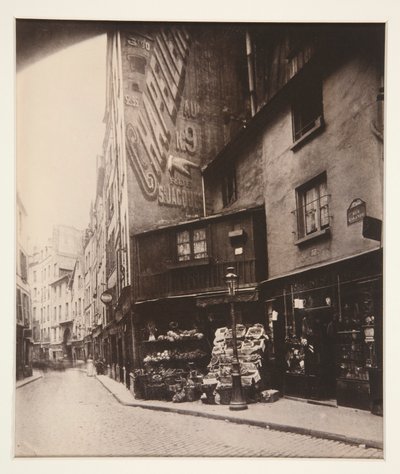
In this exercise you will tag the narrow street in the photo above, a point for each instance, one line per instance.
(70, 414)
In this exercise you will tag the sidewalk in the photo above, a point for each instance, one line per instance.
(37, 374)
(336, 423)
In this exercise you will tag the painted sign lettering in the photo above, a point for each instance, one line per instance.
(356, 211)
(186, 140)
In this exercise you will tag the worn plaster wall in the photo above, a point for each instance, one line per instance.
(347, 150)
(248, 164)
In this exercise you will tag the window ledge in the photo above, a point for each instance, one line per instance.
(318, 125)
(314, 235)
(190, 263)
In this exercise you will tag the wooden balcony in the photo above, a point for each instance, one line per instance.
(200, 278)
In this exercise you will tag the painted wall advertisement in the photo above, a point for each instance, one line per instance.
(173, 117)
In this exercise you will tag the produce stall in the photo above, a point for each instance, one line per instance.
(251, 345)
(173, 365)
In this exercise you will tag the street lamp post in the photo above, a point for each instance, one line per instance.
(238, 401)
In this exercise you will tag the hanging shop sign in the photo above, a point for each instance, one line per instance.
(356, 211)
(372, 228)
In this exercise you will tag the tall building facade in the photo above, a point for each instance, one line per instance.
(318, 132)
(163, 122)
(24, 335)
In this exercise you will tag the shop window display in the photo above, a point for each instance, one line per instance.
(356, 348)
(309, 357)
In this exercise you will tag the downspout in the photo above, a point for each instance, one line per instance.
(378, 124)
(203, 195)
(250, 71)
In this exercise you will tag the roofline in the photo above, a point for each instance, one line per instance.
(67, 275)
(210, 217)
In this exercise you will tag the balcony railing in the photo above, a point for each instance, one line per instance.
(187, 279)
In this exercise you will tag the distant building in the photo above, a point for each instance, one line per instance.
(50, 273)
(24, 336)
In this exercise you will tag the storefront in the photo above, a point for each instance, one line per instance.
(78, 350)
(24, 351)
(327, 332)
(185, 348)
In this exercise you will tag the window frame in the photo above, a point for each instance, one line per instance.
(320, 206)
(192, 255)
(308, 90)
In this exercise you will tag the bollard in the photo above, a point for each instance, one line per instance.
(108, 370)
(117, 377)
(123, 375)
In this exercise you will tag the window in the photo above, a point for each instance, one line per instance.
(229, 186)
(191, 245)
(55, 313)
(24, 268)
(34, 276)
(55, 269)
(307, 108)
(66, 311)
(25, 309)
(19, 305)
(312, 207)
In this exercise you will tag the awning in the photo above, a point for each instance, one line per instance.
(242, 296)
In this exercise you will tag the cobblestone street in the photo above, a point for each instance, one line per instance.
(70, 414)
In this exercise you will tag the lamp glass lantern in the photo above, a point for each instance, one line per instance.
(231, 280)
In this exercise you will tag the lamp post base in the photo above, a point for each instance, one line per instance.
(238, 401)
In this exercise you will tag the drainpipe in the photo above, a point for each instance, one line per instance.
(377, 125)
(204, 195)
(250, 70)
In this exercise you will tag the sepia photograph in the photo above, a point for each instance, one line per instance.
(199, 212)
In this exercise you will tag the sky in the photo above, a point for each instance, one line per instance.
(60, 109)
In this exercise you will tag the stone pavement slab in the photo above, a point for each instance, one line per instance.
(337, 423)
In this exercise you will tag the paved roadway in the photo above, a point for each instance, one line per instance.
(70, 414)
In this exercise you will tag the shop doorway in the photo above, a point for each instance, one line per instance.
(67, 344)
(310, 354)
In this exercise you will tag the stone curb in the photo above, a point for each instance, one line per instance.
(261, 424)
(22, 383)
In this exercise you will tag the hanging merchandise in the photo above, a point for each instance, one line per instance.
(251, 345)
